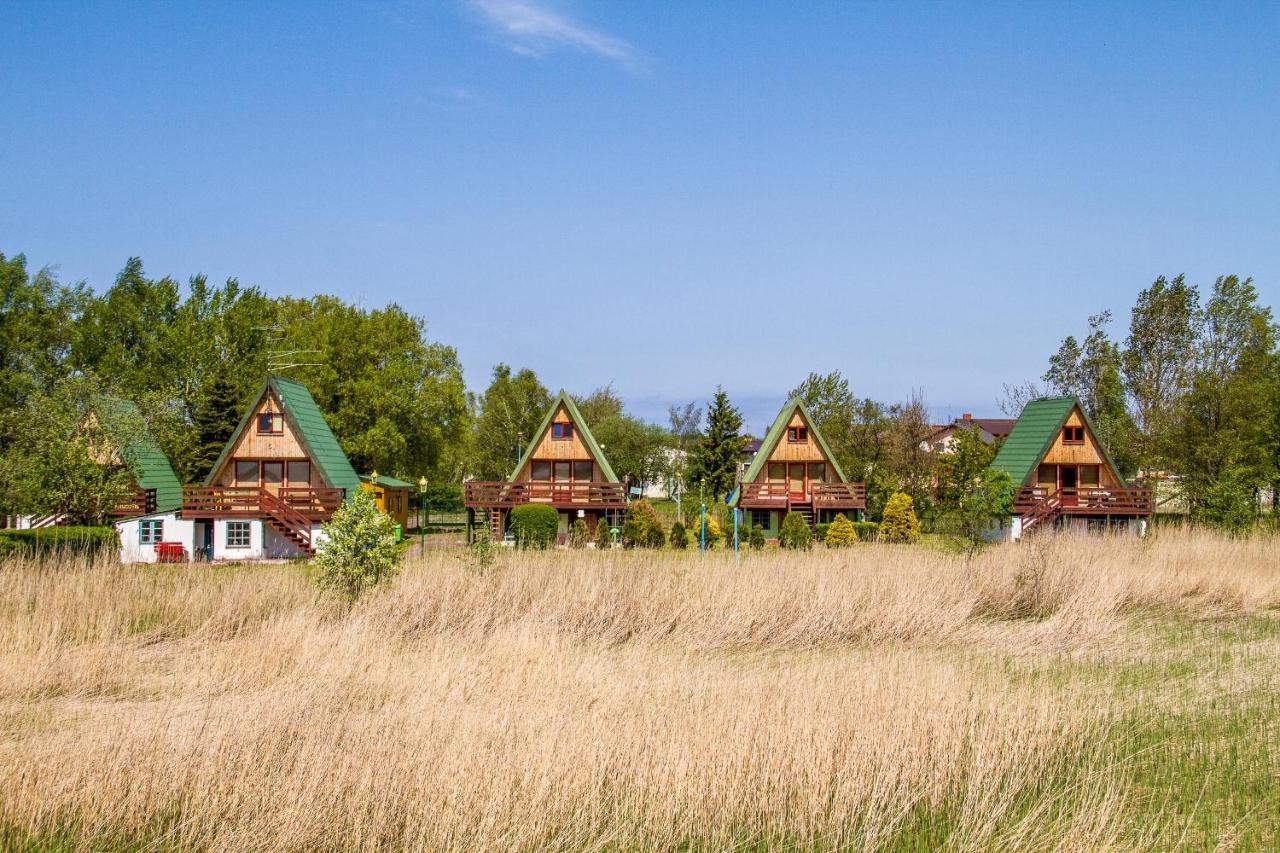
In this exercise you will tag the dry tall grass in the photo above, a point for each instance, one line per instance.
(875, 697)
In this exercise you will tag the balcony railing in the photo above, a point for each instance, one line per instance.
(136, 502)
(1091, 500)
(779, 495)
(575, 495)
(228, 501)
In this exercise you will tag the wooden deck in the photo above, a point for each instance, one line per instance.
(505, 495)
(1096, 501)
(315, 504)
(766, 495)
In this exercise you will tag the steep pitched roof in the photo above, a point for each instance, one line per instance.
(775, 433)
(308, 424)
(584, 432)
(1035, 432)
(139, 451)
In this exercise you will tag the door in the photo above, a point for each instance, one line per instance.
(563, 482)
(272, 476)
(1068, 483)
(796, 480)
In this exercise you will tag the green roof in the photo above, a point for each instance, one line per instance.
(139, 451)
(312, 430)
(583, 430)
(774, 435)
(1035, 432)
(390, 482)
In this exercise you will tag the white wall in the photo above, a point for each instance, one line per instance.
(222, 552)
(175, 530)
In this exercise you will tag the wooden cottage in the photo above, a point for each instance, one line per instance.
(279, 477)
(1064, 476)
(795, 471)
(563, 467)
(391, 495)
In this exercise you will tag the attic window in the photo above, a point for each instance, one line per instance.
(797, 434)
(270, 423)
(1073, 435)
(562, 430)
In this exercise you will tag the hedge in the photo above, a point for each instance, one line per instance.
(535, 525)
(48, 539)
(867, 531)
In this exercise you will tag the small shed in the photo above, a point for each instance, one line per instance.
(391, 495)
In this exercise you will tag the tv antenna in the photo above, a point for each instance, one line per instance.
(280, 360)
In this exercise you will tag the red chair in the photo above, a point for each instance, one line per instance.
(170, 552)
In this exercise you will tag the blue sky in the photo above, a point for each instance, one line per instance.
(662, 195)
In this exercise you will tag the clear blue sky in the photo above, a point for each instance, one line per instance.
(665, 195)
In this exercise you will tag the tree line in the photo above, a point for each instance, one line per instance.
(1192, 389)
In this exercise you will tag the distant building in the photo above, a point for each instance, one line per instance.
(990, 430)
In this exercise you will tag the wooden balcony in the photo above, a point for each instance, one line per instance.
(317, 504)
(135, 503)
(505, 495)
(1092, 500)
(779, 496)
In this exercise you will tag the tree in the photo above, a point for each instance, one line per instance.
(359, 550)
(578, 534)
(900, 524)
(217, 409)
(719, 451)
(834, 410)
(679, 538)
(642, 528)
(511, 409)
(604, 535)
(755, 537)
(988, 497)
(795, 533)
(909, 459)
(635, 450)
(1159, 352)
(958, 470)
(600, 405)
(841, 532)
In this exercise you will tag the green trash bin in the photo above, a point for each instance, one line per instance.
(399, 533)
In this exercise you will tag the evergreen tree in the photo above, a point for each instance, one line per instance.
(216, 413)
(719, 451)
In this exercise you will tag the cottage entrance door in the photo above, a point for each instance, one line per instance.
(796, 482)
(272, 476)
(1068, 482)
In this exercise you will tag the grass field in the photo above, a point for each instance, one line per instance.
(1077, 693)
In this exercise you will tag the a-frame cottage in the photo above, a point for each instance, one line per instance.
(279, 477)
(795, 471)
(1063, 474)
(563, 467)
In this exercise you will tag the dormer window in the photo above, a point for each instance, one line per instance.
(562, 430)
(797, 434)
(270, 423)
(1073, 435)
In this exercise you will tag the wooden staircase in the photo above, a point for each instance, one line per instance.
(495, 525)
(288, 522)
(806, 512)
(1045, 510)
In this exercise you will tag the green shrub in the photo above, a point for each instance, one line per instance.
(535, 525)
(820, 531)
(642, 528)
(868, 531)
(47, 539)
(578, 534)
(899, 524)
(604, 535)
(360, 549)
(841, 532)
(795, 532)
(679, 537)
(755, 537)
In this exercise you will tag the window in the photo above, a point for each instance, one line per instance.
(271, 423)
(540, 470)
(272, 473)
(797, 434)
(237, 534)
(817, 472)
(582, 472)
(299, 473)
(562, 431)
(777, 472)
(150, 532)
(1073, 435)
(561, 474)
(760, 518)
(246, 473)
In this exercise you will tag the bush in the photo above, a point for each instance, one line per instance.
(360, 550)
(841, 532)
(867, 531)
(47, 539)
(900, 524)
(604, 535)
(755, 537)
(795, 532)
(642, 528)
(679, 537)
(714, 533)
(820, 531)
(578, 534)
(535, 525)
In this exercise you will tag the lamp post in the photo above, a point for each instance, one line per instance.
(423, 513)
(702, 499)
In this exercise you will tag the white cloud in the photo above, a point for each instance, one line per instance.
(530, 29)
